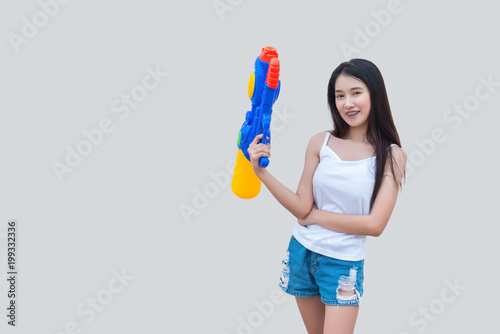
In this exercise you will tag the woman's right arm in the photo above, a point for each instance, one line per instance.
(298, 203)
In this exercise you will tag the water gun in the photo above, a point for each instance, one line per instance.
(263, 90)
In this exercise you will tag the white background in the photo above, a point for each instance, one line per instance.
(120, 209)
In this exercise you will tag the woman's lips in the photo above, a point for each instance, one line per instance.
(352, 114)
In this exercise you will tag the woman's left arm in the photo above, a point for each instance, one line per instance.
(374, 223)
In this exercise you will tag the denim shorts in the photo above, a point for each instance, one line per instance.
(309, 274)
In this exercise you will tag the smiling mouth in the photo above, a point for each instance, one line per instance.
(352, 113)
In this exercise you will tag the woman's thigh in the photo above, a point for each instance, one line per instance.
(340, 319)
(312, 311)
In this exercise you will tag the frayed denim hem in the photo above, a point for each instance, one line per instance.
(299, 294)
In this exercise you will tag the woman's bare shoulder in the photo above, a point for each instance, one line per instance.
(316, 141)
(399, 154)
(319, 137)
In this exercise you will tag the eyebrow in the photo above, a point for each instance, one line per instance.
(353, 88)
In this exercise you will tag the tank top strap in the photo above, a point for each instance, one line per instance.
(326, 138)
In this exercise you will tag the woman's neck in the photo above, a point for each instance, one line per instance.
(357, 134)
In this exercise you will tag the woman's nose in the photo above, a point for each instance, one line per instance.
(348, 103)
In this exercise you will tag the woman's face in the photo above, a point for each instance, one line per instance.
(352, 99)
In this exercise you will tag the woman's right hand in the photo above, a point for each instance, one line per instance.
(257, 151)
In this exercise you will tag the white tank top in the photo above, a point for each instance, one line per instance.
(342, 187)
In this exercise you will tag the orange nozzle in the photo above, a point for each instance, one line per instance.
(273, 73)
(268, 53)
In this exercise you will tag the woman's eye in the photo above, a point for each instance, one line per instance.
(339, 96)
(357, 93)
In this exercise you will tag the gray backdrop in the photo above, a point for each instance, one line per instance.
(118, 133)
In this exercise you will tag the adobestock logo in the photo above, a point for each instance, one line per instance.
(421, 319)
(96, 304)
(122, 107)
(223, 6)
(220, 180)
(454, 116)
(39, 20)
(371, 30)
(263, 310)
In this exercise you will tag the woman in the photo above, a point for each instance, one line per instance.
(347, 191)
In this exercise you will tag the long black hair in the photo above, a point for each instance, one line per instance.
(381, 131)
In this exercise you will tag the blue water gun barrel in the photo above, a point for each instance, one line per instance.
(263, 91)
